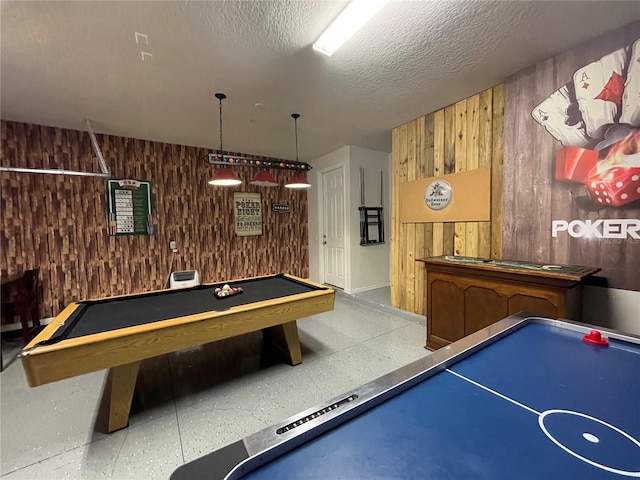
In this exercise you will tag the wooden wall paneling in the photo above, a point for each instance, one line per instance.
(448, 237)
(7, 204)
(410, 246)
(110, 261)
(161, 165)
(420, 240)
(485, 141)
(58, 223)
(35, 158)
(142, 248)
(497, 228)
(537, 176)
(528, 181)
(113, 149)
(611, 254)
(460, 247)
(402, 238)
(620, 261)
(418, 168)
(55, 214)
(39, 236)
(395, 217)
(527, 145)
(512, 91)
(449, 231)
(437, 245)
(472, 153)
(73, 237)
(195, 167)
(460, 137)
(428, 170)
(561, 198)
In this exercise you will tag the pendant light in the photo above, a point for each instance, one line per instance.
(224, 177)
(298, 179)
(264, 179)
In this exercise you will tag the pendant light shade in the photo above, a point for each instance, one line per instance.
(224, 177)
(264, 179)
(298, 179)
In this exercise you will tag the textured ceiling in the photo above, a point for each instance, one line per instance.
(62, 62)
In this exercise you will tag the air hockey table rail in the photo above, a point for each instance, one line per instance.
(252, 454)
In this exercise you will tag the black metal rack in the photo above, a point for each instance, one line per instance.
(371, 217)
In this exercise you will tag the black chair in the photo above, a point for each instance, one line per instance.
(25, 304)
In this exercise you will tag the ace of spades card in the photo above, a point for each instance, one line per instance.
(600, 104)
(559, 115)
(596, 117)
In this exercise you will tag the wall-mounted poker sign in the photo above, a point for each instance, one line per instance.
(248, 213)
(130, 207)
(281, 207)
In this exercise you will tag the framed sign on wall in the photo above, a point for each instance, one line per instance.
(248, 213)
(130, 207)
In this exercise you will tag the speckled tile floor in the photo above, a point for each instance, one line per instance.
(192, 402)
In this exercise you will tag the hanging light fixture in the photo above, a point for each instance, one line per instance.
(264, 179)
(224, 177)
(298, 179)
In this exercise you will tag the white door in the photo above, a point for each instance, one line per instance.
(333, 242)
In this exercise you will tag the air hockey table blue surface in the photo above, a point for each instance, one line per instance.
(526, 398)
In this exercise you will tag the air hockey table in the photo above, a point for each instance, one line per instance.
(526, 398)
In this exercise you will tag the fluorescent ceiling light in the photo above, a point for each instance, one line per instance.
(350, 20)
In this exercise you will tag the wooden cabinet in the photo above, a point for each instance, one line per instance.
(466, 294)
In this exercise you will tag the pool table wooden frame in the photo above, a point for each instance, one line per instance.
(122, 350)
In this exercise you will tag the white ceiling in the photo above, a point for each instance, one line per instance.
(63, 62)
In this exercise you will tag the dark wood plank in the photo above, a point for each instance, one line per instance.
(58, 223)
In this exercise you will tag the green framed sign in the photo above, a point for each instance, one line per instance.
(130, 207)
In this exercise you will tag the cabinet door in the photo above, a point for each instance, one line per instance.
(544, 307)
(483, 306)
(446, 319)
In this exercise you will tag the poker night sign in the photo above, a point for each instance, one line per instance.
(596, 118)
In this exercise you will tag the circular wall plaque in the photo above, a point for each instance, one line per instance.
(438, 195)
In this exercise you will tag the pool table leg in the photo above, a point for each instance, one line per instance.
(117, 396)
(285, 337)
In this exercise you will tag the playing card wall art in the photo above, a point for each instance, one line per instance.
(571, 168)
(596, 119)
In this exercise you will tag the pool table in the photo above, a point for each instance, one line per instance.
(119, 332)
(527, 398)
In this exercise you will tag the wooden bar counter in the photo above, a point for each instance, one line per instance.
(466, 294)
